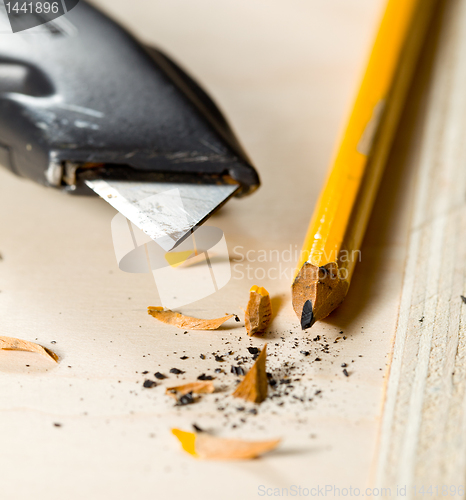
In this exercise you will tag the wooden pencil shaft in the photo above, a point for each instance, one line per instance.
(328, 232)
(383, 141)
(333, 241)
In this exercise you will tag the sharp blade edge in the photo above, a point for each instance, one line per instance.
(166, 212)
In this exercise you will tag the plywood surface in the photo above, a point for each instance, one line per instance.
(285, 73)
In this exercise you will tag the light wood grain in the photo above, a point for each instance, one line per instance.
(423, 439)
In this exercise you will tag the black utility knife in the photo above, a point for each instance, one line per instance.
(85, 107)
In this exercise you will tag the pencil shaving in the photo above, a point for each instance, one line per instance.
(254, 386)
(258, 314)
(207, 447)
(205, 387)
(186, 322)
(12, 344)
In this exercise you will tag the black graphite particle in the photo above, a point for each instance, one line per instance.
(253, 350)
(202, 356)
(237, 370)
(203, 376)
(197, 428)
(272, 383)
(237, 319)
(345, 372)
(318, 359)
(145, 372)
(176, 371)
(187, 399)
(149, 384)
(218, 370)
(463, 298)
(159, 375)
(56, 424)
(219, 358)
(344, 365)
(184, 357)
(285, 381)
(305, 353)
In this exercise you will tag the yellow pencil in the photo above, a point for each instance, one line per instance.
(331, 247)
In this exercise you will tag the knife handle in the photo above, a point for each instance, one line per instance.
(84, 98)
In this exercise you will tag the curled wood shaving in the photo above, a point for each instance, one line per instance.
(254, 386)
(201, 387)
(210, 447)
(186, 322)
(258, 311)
(12, 344)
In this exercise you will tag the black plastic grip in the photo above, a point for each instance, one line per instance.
(85, 91)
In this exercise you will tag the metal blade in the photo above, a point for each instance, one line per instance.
(166, 212)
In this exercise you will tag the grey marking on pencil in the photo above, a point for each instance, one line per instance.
(307, 316)
(367, 139)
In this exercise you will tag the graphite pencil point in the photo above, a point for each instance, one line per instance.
(307, 316)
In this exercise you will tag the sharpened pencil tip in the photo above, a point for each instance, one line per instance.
(307, 316)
